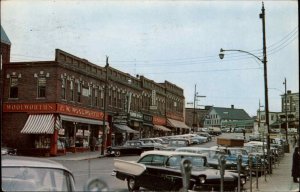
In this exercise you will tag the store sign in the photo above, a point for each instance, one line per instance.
(136, 115)
(120, 119)
(71, 110)
(29, 107)
(159, 120)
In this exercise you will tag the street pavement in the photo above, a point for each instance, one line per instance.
(279, 181)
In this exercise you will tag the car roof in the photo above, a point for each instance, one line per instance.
(22, 161)
(170, 153)
(197, 148)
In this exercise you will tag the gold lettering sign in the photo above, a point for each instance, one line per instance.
(71, 110)
(29, 107)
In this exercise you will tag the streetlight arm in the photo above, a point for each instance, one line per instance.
(221, 55)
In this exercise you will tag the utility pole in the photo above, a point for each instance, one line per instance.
(287, 149)
(194, 112)
(104, 135)
(262, 16)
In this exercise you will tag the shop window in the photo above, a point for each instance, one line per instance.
(41, 87)
(13, 92)
(42, 141)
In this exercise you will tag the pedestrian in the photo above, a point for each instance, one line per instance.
(296, 165)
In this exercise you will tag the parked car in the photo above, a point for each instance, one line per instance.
(152, 142)
(35, 174)
(212, 155)
(129, 148)
(175, 143)
(204, 134)
(239, 130)
(214, 131)
(160, 171)
(8, 151)
(196, 139)
(232, 158)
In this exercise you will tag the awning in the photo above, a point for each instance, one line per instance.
(82, 120)
(161, 128)
(124, 128)
(41, 124)
(177, 124)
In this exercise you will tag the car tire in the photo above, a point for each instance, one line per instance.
(117, 153)
(131, 184)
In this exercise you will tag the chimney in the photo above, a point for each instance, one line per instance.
(232, 106)
(289, 92)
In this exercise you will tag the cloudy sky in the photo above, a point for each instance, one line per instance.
(177, 41)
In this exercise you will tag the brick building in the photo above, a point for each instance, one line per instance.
(50, 107)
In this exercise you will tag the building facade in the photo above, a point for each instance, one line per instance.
(71, 104)
(196, 116)
(226, 117)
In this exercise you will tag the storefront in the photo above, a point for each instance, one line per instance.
(52, 129)
(135, 121)
(147, 126)
(178, 126)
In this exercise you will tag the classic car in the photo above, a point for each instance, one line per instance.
(204, 134)
(129, 148)
(232, 157)
(160, 171)
(175, 143)
(34, 174)
(152, 142)
(8, 151)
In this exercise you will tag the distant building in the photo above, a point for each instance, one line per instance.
(227, 117)
(278, 119)
(194, 118)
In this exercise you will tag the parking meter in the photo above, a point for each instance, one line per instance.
(258, 165)
(239, 165)
(186, 168)
(250, 167)
(222, 162)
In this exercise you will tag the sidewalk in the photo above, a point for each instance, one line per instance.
(281, 179)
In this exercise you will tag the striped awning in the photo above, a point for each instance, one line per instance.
(177, 124)
(41, 124)
(161, 128)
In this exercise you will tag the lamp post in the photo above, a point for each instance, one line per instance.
(104, 109)
(264, 62)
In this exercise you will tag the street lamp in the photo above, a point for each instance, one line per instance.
(264, 62)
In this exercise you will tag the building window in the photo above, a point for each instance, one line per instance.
(96, 98)
(102, 98)
(72, 90)
(79, 92)
(91, 94)
(63, 88)
(41, 87)
(13, 92)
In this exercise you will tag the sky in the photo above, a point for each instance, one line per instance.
(175, 41)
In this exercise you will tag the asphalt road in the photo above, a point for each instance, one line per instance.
(102, 168)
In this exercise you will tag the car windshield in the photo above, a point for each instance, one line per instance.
(197, 162)
(35, 179)
(238, 152)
